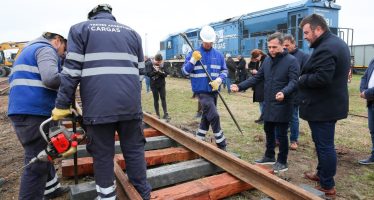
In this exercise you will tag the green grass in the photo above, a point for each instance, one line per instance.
(352, 137)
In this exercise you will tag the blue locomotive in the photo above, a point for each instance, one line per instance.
(239, 35)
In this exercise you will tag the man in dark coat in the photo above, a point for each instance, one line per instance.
(290, 45)
(279, 72)
(323, 94)
(231, 66)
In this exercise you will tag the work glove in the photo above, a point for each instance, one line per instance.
(196, 56)
(58, 114)
(215, 84)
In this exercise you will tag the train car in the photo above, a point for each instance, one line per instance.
(240, 35)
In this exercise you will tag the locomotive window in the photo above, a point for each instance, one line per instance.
(245, 33)
(162, 46)
(260, 44)
(169, 45)
(192, 34)
(282, 27)
(300, 34)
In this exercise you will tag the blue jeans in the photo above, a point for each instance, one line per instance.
(261, 106)
(228, 84)
(323, 138)
(371, 126)
(294, 126)
(147, 83)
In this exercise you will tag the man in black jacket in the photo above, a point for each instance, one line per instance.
(290, 45)
(323, 94)
(157, 75)
(279, 72)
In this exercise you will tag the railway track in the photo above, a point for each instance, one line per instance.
(4, 85)
(183, 167)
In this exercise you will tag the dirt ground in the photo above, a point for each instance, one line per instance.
(353, 181)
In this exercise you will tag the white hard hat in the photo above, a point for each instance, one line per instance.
(207, 34)
(228, 55)
(51, 34)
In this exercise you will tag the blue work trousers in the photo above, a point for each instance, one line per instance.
(101, 147)
(210, 116)
(38, 178)
(147, 83)
(323, 138)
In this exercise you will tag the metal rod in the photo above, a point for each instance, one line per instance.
(184, 36)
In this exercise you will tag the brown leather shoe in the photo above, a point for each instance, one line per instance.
(311, 176)
(293, 146)
(330, 193)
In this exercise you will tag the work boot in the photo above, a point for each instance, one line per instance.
(311, 176)
(330, 193)
(265, 161)
(57, 193)
(222, 147)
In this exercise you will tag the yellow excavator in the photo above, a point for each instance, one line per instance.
(8, 53)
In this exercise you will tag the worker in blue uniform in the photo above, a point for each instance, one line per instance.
(33, 89)
(106, 59)
(205, 89)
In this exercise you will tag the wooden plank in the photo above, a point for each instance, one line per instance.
(154, 157)
(270, 184)
(213, 187)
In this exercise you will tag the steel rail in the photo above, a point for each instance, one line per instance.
(271, 185)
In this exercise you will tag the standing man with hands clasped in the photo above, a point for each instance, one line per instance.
(323, 93)
(279, 72)
(108, 64)
(206, 91)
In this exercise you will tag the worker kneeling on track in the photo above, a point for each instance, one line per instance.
(110, 88)
(205, 89)
(33, 84)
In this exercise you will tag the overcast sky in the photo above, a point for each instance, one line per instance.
(23, 20)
